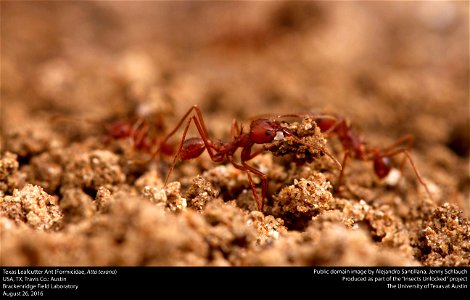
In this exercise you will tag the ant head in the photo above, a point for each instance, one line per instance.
(264, 131)
(382, 166)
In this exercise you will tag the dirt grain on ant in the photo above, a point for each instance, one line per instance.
(86, 110)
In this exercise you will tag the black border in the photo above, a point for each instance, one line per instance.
(231, 281)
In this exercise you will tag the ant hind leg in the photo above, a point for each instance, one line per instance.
(408, 157)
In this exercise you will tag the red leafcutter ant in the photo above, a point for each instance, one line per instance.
(262, 131)
(355, 147)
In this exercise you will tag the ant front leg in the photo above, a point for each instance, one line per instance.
(235, 130)
(248, 155)
(140, 131)
(343, 166)
(264, 185)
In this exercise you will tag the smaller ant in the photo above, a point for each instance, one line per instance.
(355, 147)
(262, 131)
(142, 137)
(135, 131)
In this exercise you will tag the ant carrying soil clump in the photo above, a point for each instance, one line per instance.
(262, 131)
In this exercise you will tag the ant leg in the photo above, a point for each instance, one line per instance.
(394, 149)
(253, 155)
(181, 121)
(264, 184)
(139, 131)
(322, 149)
(245, 156)
(178, 152)
(315, 116)
(318, 117)
(415, 169)
(407, 142)
(330, 125)
(340, 166)
(235, 130)
(333, 127)
(207, 143)
(247, 169)
(201, 120)
(259, 202)
(201, 130)
(201, 127)
(340, 177)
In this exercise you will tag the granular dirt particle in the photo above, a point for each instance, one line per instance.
(168, 196)
(46, 170)
(445, 238)
(76, 205)
(306, 198)
(91, 170)
(8, 165)
(30, 142)
(10, 177)
(269, 228)
(199, 193)
(34, 207)
(150, 178)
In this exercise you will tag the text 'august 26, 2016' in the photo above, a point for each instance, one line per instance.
(40, 282)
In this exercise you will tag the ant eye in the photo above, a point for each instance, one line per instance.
(262, 131)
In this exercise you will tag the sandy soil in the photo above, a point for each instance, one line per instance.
(73, 193)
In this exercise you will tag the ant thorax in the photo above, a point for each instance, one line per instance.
(307, 132)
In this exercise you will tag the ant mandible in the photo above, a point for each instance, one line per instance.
(355, 147)
(262, 131)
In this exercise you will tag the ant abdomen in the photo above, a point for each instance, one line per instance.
(192, 148)
(382, 166)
